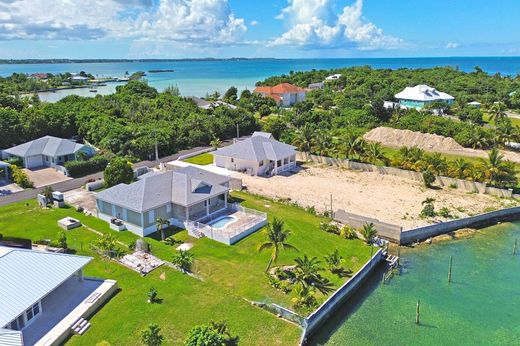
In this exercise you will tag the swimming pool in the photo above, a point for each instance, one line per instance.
(222, 221)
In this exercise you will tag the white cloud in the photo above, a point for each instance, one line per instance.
(194, 21)
(253, 23)
(315, 24)
(452, 45)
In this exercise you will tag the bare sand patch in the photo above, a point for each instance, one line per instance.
(405, 138)
(387, 198)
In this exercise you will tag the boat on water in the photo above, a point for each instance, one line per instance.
(93, 90)
(160, 71)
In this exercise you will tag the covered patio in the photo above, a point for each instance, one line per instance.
(207, 207)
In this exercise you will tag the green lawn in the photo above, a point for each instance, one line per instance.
(230, 273)
(202, 159)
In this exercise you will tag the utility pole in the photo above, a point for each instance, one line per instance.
(156, 149)
(238, 132)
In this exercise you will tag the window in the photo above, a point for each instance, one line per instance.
(32, 312)
(261, 163)
(232, 160)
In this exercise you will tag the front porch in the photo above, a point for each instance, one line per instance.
(283, 165)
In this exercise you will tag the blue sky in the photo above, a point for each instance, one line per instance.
(257, 28)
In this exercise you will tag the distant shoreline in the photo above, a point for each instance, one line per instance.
(93, 61)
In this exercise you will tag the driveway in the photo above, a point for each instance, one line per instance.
(83, 198)
(45, 176)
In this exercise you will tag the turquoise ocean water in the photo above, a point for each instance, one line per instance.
(481, 306)
(200, 77)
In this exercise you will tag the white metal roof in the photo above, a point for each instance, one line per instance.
(423, 92)
(48, 145)
(11, 337)
(28, 276)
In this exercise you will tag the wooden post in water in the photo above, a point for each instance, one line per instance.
(398, 254)
(514, 248)
(449, 271)
(417, 312)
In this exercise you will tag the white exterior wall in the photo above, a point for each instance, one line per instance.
(237, 164)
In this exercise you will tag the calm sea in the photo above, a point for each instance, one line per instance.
(200, 77)
(481, 306)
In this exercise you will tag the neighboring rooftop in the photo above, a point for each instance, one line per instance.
(185, 186)
(201, 103)
(28, 276)
(283, 88)
(261, 146)
(423, 93)
(48, 145)
(334, 76)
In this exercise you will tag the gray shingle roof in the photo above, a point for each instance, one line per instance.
(185, 187)
(27, 276)
(48, 145)
(259, 147)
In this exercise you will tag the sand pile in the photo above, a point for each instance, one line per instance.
(405, 138)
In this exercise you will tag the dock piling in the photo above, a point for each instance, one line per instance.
(514, 248)
(417, 312)
(449, 271)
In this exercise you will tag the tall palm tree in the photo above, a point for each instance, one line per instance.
(436, 163)
(497, 111)
(374, 153)
(497, 171)
(368, 232)
(160, 224)
(276, 240)
(307, 274)
(303, 138)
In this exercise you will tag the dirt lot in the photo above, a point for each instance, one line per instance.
(45, 176)
(387, 198)
(83, 198)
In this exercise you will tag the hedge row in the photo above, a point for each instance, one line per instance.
(80, 168)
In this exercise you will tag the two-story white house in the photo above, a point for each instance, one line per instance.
(285, 94)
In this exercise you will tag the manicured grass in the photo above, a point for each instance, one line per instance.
(202, 159)
(232, 275)
(186, 301)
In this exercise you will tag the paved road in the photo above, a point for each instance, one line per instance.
(78, 182)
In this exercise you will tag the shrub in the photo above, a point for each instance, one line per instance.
(15, 160)
(152, 335)
(329, 227)
(79, 168)
(62, 240)
(20, 178)
(204, 335)
(118, 171)
(183, 260)
(429, 208)
(445, 212)
(348, 232)
(428, 178)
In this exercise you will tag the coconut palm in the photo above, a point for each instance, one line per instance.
(374, 153)
(497, 171)
(160, 224)
(303, 138)
(322, 143)
(307, 274)
(477, 138)
(436, 163)
(353, 146)
(497, 111)
(215, 143)
(276, 240)
(460, 168)
(183, 259)
(368, 232)
(429, 208)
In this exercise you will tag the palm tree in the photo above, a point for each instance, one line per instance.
(477, 139)
(322, 143)
(307, 274)
(303, 138)
(183, 259)
(276, 240)
(368, 232)
(215, 143)
(159, 224)
(497, 111)
(429, 208)
(497, 171)
(374, 153)
(353, 146)
(436, 163)
(460, 168)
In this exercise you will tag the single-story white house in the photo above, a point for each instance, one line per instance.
(474, 104)
(333, 77)
(39, 290)
(47, 151)
(316, 86)
(181, 195)
(260, 154)
(421, 95)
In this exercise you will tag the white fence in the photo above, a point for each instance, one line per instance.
(249, 221)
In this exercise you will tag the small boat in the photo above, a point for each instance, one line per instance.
(93, 90)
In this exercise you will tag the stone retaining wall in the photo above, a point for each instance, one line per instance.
(323, 312)
(384, 230)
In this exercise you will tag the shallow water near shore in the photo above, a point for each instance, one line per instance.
(481, 306)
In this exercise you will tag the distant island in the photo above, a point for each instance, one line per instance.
(160, 71)
(90, 61)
